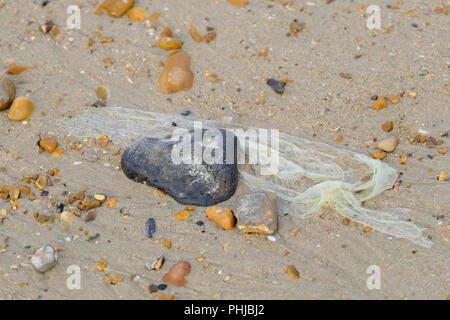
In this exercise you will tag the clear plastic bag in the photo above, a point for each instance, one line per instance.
(311, 175)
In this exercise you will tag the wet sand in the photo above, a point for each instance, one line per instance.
(331, 258)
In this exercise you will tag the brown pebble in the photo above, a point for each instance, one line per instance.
(380, 103)
(117, 8)
(48, 144)
(90, 216)
(21, 109)
(195, 36)
(223, 217)
(166, 243)
(210, 36)
(166, 297)
(238, 3)
(296, 27)
(7, 92)
(169, 43)
(102, 92)
(137, 14)
(153, 288)
(176, 274)
(379, 155)
(17, 69)
(403, 159)
(292, 272)
(346, 221)
(176, 75)
(387, 126)
(392, 99)
(41, 182)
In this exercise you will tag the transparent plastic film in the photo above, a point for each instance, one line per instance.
(310, 175)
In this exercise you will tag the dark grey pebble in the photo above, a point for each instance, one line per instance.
(276, 85)
(153, 288)
(150, 227)
(162, 286)
(200, 183)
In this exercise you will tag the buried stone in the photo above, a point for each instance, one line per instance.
(198, 167)
(257, 213)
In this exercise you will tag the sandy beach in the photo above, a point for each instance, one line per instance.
(332, 69)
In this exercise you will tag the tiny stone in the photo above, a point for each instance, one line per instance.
(162, 286)
(150, 227)
(276, 85)
(387, 126)
(41, 182)
(7, 92)
(257, 213)
(379, 155)
(102, 92)
(292, 272)
(44, 258)
(21, 109)
(223, 217)
(153, 288)
(387, 145)
(380, 103)
(49, 144)
(67, 217)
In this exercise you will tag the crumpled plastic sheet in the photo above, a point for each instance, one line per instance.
(311, 175)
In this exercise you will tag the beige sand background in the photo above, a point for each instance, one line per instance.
(332, 258)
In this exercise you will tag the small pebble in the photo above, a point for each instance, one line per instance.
(48, 144)
(67, 217)
(380, 103)
(90, 216)
(153, 288)
(21, 109)
(117, 8)
(443, 176)
(17, 69)
(162, 286)
(137, 14)
(223, 217)
(379, 155)
(41, 183)
(44, 258)
(238, 3)
(150, 227)
(292, 272)
(176, 75)
(182, 215)
(7, 92)
(276, 85)
(387, 145)
(392, 99)
(166, 243)
(102, 92)
(176, 274)
(157, 263)
(387, 126)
